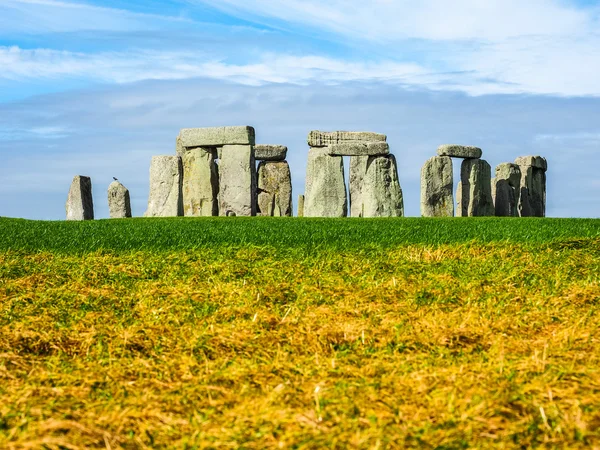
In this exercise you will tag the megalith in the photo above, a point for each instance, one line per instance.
(476, 190)
(80, 205)
(532, 199)
(237, 180)
(301, 205)
(119, 203)
(166, 180)
(506, 188)
(325, 192)
(358, 169)
(274, 189)
(264, 152)
(436, 187)
(381, 194)
(200, 181)
(459, 151)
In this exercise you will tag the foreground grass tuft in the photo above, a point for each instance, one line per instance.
(383, 344)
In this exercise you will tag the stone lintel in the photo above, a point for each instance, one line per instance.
(537, 162)
(263, 152)
(359, 149)
(216, 136)
(459, 151)
(324, 138)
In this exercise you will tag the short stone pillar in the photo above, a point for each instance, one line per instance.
(301, 205)
(475, 190)
(274, 189)
(166, 177)
(227, 189)
(506, 188)
(80, 205)
(532, 199)
(437, 182)
(119, 203)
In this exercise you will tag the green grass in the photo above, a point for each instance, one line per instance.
(276, 333)
(282, 233)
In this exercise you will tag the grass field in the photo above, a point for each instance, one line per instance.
(300, 333)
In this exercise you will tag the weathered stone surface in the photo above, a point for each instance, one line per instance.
(381, 192)
(459, 209)
(537, 162)
(358, 169)
(119, 203)
(270, 152)
(274, 189)
(216, 136)
(237, 181)
(200, 182)
(359, 149)
(476, 189)
(166, 177)
(459, 151)
(325, 138)
(532, 200)
(325, 194)
(80, 205)
(436, 187)
(506, 187)
(301, 205)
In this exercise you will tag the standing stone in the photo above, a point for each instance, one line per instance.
(532, 200)
(358, 169)
(237, 180)
(436, 187)
(459, 191)
(80, 205)
(325, 194)
(506, 188)
(476, 189)
(200, 182)
(301, 206)
(274, 189)
(381, 192)
(166, 177)
(119, 204)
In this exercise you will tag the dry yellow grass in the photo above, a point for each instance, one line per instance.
(447, 346)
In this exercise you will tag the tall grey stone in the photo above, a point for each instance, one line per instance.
(265, 152)
(166, 180)
(381, 194)
(436, 187)
(532, 199)
(325, 194)
(301, 205)
(80, 205)
(459, 151)
(274, 189)
(358, 169)
(506, 188)
(119, 203)
(476, 189)
(326, 138)
(200, 182)
(237, 180)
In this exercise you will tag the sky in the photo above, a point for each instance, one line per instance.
(98, 87)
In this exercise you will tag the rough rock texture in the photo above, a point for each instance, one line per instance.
(532, 198)
(459, 151)
(476, 189)
(358, 169)
(237, 181)
(274, 189)
(80, 205)
(537, 162)
(459, 191)
(325, 194)
(200, 182)
(325, 138)
(359, 149)
(119, 204)
(301, 205)
(436, 187)
(216, 136)
(506, 188)
(166, 177)
(381, 194)
(270, 152)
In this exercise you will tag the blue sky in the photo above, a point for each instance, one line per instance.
(98, 87)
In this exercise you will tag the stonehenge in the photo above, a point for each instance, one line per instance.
(532, 198)
(475, 189)
(374, 185)
(436, 187)
(165, 198)
(506, 187)
(80, 205)
(119, 203)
